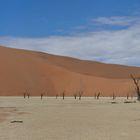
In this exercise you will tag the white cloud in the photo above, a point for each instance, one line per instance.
(117, 20)
(119, 46)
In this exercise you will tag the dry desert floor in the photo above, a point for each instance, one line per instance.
(69, 119)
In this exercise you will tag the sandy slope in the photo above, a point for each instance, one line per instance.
(71, 119)
(36, 73)
(2, 116)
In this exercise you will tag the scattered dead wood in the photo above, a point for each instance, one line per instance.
(126, 102)
(113, 102)
(16, 121)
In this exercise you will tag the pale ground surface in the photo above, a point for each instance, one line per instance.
(69, 119)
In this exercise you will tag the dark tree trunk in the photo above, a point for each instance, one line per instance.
(136, 82)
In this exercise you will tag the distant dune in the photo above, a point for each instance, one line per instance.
(35, 72)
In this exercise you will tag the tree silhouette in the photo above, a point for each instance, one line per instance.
(24, 95)
(127, 96)
(98, 95)
(56, 96)
(41, 96)
(136, 81)
(113, 96)
(80, 94)
(75, 96)
(63, 94)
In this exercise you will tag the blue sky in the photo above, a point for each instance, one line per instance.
(39, 18)
(102, 30)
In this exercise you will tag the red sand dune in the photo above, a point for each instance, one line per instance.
(35, 72)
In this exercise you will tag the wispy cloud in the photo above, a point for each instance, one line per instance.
(110, 46)
(117, 20)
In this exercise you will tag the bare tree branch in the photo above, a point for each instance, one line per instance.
(137, 88)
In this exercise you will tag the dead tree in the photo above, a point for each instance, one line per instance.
(56, 96)
(98, 95)
(41, 96)
(127, 96)
(136, 81)
(80, 94)
(63, 94)
(24, 95)
(75, 96)
(113, 96)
